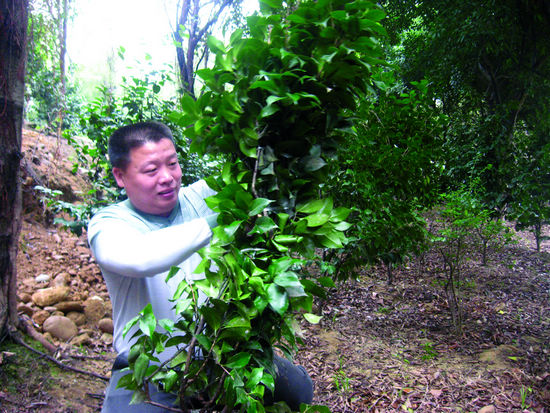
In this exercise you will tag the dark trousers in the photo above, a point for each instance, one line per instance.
(292, 385)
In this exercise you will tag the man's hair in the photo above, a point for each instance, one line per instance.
(124, 139)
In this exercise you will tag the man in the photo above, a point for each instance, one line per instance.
(137, 241)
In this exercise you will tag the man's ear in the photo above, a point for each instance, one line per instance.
(119, 176)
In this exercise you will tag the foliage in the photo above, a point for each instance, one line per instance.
(275, 104)
(531, 187)
(489, 65)
(43, 82)
(389, 173)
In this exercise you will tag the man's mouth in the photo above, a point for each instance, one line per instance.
(167, 192)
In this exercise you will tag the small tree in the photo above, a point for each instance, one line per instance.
(389, 174)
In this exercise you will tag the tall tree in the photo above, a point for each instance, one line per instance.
(47, 60)
(13, 29)
(489, 63)
(195, 20)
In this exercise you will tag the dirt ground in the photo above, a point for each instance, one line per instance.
(378, 348)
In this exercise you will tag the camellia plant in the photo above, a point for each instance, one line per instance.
(277, 103)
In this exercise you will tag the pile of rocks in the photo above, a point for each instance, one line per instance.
(64, 317)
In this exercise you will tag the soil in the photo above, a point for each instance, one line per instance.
(378, 347)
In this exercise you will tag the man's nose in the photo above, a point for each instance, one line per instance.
(165, 176)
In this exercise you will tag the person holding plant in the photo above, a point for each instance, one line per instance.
(137, 241)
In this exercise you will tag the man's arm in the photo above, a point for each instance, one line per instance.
(121, 249)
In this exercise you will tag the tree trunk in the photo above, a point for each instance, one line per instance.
(188, 18)
(13, 30)
(63, 16)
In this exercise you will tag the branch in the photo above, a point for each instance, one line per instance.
(259, 151)
(20, 341)
(30, 331)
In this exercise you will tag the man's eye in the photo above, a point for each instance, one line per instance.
(150, 171)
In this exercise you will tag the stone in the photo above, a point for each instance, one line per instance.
(78, 318)
(107, 338)
(42, 278)
(48, 296)
(68, 306)
(94, 308)
(81, 340)
(487, 409)
(106, 325)
(40, 316)
(88, 331)
(50, 309)
(60, 279)
(25, 298)
(60, 327)
(25, 309)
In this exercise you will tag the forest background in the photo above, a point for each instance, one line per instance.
(439, 150)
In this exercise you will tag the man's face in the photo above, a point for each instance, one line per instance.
(152, 179)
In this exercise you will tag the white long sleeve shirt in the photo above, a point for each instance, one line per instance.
(136, 250)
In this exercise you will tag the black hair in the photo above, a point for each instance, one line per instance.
(124, 139)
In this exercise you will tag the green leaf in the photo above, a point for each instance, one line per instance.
(167, 324)
(129, 325)
(238, 361)
(326, 282)
(258, 205)
(147, 321)
(317, 205)
(312, 164)
(138, 397)
(316, 220)
(288, 239)
(278, 298)
(212, 316)
(339, 214)
(287, 279)
(173, 271)
(140, 368)
(170, 379)
(312, 318)
(263, 225)
(215, 45)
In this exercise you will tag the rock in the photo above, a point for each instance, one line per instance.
(106, 325)
(56, 312)
(107, 338)
(487, 409)
(40, 316)
(68, 306)
(25, 298)
(49, 296)
(60, 279)
(25, 309)
(81, 340)
(61, 327)
(50, 309)
(94, 308)
(42, 278)
(78, 318)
